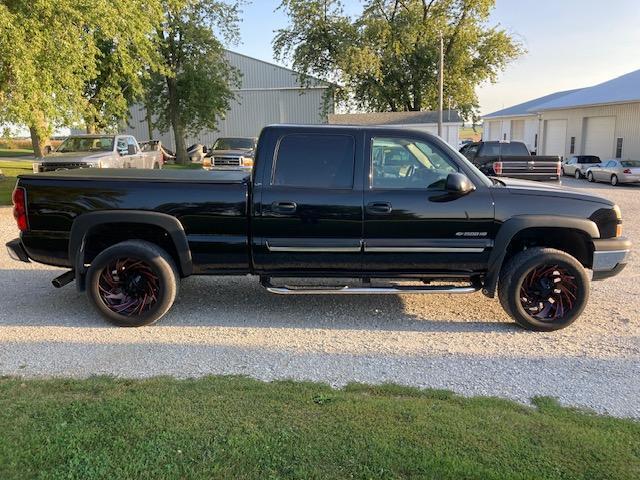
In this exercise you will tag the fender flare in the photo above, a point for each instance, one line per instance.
(522, 222)
(83, 224)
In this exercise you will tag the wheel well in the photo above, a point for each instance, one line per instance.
(574, 242)
(105, 235)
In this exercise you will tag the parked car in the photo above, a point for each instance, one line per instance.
(615, 172)
(578, 165)
(231, 152)
(511, 159)
(364, 203)
(98, 151)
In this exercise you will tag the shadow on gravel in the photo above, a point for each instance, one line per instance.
(28, 299)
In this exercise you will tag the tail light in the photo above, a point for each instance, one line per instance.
(19, 198)
(627, 171)
(497, 168)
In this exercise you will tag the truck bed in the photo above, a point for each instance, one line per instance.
(199, 176)
(211, 206)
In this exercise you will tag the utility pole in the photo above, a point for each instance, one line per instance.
(441, 86)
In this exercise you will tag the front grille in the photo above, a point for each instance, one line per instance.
(53, 166)
(226, 161)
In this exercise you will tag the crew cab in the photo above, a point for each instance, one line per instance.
(99, 151)
(511, 159)
(393, 205)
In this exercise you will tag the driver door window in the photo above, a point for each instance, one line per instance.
(408, 164)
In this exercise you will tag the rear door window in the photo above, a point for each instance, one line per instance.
(315, 161)
(514, 149)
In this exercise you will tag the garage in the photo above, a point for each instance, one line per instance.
(495, 130)
(517, 130)
(599, 136)
(555, 134)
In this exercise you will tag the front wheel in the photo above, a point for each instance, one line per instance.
(614, 180)
(132, 283)
(543, 289)
(590, 177)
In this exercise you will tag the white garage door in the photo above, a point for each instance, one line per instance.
(598, 136)
(517, 130)
(495, 129)
(555, 137)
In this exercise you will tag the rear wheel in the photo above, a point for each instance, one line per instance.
(543, 289)
(590, 177)
(132, 283)
(614, 180)
(577, 174)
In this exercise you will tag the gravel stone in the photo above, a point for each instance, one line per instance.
(232, 326)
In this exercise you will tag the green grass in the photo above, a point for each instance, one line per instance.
(11, 170)
(189, 166)
(15, 152)
(229, 427)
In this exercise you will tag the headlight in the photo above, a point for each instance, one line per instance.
(36, 167)
(246, 161)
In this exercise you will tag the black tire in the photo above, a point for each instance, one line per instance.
(590, 177)
(527, 305)
(614, 180)
(151, 272)
(577, 174)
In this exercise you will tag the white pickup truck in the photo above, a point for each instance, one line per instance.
(99, 151)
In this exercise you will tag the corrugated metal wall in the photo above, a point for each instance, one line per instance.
(269, 94)
(627, 125)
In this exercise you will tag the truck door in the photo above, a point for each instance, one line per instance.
(307, 212)
(411, 224)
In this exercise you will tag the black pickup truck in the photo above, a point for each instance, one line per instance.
(511, 159)
(395, 206)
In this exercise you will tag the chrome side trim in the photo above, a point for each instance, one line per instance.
(424, 249)
(286, 290)
(607, 260)
(295, 248)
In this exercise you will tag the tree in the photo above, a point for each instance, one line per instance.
(51, 53)
(197, 88)
(386, 59)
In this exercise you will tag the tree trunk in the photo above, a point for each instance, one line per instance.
(176, 122)
(39, 137)
(91, 126)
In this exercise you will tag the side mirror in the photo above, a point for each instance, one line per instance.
(131, 150)
(458, 184)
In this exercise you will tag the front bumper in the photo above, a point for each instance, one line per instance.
(610, 257)
(17, 251)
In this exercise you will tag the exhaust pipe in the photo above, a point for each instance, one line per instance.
(64, 279)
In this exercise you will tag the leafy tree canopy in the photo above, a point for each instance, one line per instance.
(197, 88)
(386, 59)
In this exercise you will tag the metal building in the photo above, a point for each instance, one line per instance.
(425, 121)
(269, 94)
(602, 120)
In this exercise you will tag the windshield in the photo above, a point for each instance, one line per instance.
(86, 144)
(234, 144)
(631, 163)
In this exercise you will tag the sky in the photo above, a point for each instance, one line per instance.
(569, 43)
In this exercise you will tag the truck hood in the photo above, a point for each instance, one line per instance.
(527, 187)
(232, 153)
(76, 157)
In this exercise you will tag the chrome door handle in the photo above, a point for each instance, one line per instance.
(379, 207)
(284, 207)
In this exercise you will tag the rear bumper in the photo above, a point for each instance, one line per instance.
(17, 251)
(610, 257)
(538, 177)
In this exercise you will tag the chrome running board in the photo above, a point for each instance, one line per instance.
(310, 290)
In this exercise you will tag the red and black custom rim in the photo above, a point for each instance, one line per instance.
(549, 293)
(129, 287)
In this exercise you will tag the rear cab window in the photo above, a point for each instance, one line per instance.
(313, 160)
(514, 149)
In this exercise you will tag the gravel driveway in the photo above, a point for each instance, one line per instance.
(232, 326)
